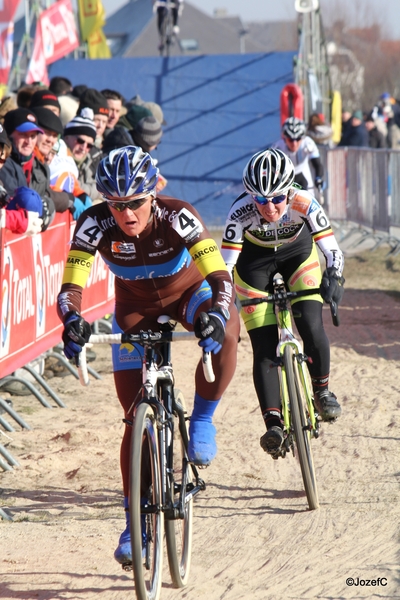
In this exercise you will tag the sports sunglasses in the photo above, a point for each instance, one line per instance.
(273, 199)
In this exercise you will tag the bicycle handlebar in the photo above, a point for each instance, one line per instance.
(291, 295)
(139, 338)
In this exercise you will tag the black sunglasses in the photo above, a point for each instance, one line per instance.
(81, 142)
(133, 204)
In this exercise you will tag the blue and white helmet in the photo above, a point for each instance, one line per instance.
(126, 171)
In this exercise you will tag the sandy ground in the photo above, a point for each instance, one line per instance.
(254, 536)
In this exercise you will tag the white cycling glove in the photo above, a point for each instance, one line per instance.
(34, 223)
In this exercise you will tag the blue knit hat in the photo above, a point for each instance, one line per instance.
(28, 199)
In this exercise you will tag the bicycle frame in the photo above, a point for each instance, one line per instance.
(157, 391)
(286, 337)
(158, 462)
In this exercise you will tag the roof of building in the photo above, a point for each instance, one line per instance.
(126, 24)
(199, 33)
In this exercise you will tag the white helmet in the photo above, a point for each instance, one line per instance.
(294, 128)
(267, 173)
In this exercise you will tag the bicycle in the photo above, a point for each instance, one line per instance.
(163, 483)
(300, 418)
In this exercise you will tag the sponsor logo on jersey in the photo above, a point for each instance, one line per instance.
(243, 212)
(301, 204)
(161, 253)
(158, 243)
(118, 248)
(287, 232)
(205, 252)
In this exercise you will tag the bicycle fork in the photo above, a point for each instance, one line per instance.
(303, 379)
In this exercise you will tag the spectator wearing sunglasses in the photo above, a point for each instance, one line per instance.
(22, 128)
(64, 198)
(275, 227)
(21, 214)
(79, 136)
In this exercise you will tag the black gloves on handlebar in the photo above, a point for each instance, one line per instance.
(75, 335)
(319, 184)
(332, 286)
(210, 328)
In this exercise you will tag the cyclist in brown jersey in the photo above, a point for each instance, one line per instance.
(165, 262)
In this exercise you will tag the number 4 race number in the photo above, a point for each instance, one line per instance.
(89, 232)
(187, 225)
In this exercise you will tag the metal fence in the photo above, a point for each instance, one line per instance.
(363, 188)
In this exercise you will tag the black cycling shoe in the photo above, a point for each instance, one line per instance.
(327, 405)
(272, 441)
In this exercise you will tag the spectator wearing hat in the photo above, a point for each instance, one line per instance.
(319, 131)
(16, 215)
(117, 138)
(357, 134)
(22, 128)
(40, 180)
(62, 88)
(376, 137)
(46, 99)
(153, 107)
(25, 93)
(95, 100)
(133, 116)
(79, 136)
(147, 134)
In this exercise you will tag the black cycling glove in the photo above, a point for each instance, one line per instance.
(75, 335)
(210, 328)
(332, 286)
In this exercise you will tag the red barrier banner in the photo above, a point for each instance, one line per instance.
(31, 270)
(7, 12)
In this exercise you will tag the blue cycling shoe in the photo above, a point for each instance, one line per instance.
(202, 446)
(123, 553)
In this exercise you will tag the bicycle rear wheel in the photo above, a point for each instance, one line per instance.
(178, 531)
(145, 503)
(300, 426)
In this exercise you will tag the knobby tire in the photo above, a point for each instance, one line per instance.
(300, 426)
(178, 532)
(145, 482)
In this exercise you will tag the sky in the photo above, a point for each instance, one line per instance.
(387, 11)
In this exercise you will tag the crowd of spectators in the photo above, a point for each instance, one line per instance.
(51, 141)
(376, 128)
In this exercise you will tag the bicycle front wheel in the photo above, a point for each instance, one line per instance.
(178, 531)
(145, 505)
(300, 426)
